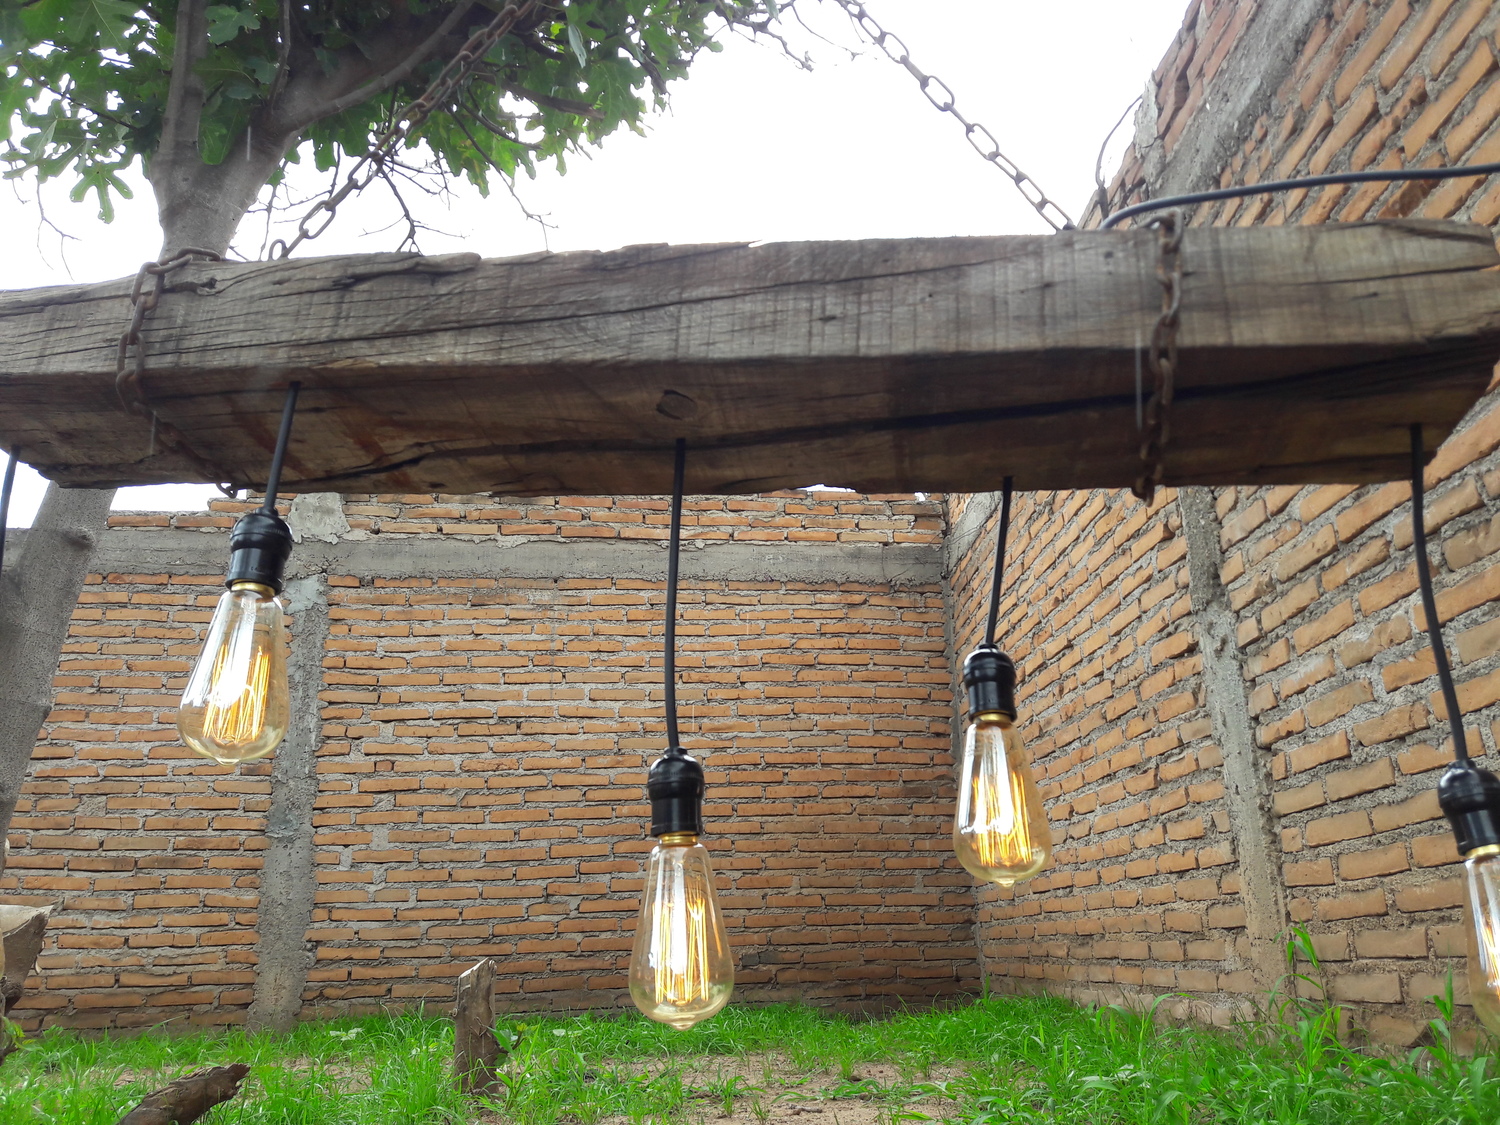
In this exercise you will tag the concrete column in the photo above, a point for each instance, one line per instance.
(287, 883)
(1245, 777)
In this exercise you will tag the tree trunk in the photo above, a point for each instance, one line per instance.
(201, 205)
(37, 596)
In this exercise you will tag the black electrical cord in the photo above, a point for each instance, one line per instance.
(5, 490)
(994, 618)
(1429, 602)
(669, 661)
(273, 481)
(1397, 175)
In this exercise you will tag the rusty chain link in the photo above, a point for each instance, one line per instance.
(1156, 429)
(128, 385)
(407, 121)
(980, 139)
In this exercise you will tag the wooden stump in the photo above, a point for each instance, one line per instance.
(189, 1098)
(21, 931)
(475, 1048)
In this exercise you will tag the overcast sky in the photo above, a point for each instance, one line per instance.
(752, 148)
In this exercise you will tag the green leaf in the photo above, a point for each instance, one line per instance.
(263, 70)
(40, 20)
(575, 40)
(111, 19)
(225, 22)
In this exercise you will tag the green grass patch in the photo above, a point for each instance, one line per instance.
(996, 1061)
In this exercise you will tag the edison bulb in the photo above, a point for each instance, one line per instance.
(1482, 874)
(681, 971)
(1000, 832)
(235, 707)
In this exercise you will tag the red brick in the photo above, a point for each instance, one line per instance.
(1341, 826)
(1414, 36)
(1477, 67)
(1329, 749)
(1370, 50)
(1381, 861)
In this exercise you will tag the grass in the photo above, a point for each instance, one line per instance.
(1012, 1061)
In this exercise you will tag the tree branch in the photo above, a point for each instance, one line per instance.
(566, 105)
(283, 52)
(383, 81)
(184, 109)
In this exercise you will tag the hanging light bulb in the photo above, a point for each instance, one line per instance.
(1000, 832)
(236, 704)
(681, 970)
(1470, 797)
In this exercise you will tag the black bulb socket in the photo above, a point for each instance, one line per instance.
(259, 546)
(990, 677)
(1470, 799)
(675, 786)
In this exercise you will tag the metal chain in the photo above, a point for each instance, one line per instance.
(407, 121)
(128, 374)
(980, 139)
(1156, 429)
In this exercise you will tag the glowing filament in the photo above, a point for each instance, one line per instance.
(680, 970)
(236, 706)
(999, 830)
(236, 711)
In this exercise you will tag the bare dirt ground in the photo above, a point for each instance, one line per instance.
(763, 1089)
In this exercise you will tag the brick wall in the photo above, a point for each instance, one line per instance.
(1402, 83)
(1345, 699)
(1143, 890)
(1318, 583)
(480, 768)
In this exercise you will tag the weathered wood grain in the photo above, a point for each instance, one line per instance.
(476, 1051)
(930, 364)
(188, 1098)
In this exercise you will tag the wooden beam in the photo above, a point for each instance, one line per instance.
(927, 364)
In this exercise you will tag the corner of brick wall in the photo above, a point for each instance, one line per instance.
(480, 769)
(1340, 683)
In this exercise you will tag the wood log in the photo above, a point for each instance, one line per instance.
(923, 364)
(189, 1098)
(22, 930)
(476, 1050)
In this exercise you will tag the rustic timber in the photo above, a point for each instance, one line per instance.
(883, 365)
(190, 1097)
(22, 930)
(476, 1050)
